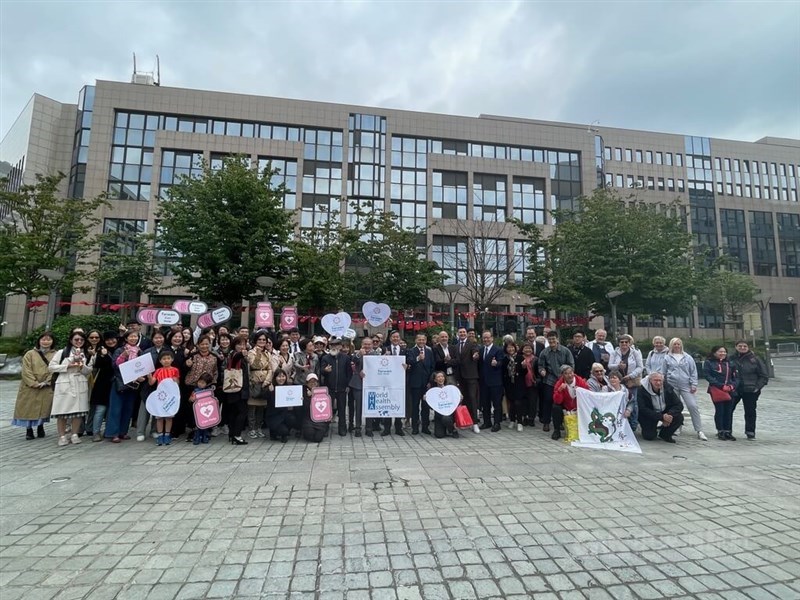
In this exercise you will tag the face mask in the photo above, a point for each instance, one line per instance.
(334, 351)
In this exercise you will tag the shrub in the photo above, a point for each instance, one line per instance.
(65, 323)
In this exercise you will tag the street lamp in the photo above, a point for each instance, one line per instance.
(612, 295)
(763, 306)
(54, 277)
(792, 321)
(452, 290)
(267, 283)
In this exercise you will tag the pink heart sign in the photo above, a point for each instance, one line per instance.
(321, 409)
(376, 314)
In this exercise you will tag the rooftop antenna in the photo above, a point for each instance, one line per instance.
(591, 128)
(146, 78)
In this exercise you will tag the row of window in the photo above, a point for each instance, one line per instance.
(643, 156)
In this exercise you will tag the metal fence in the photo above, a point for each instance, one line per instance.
(786, 348)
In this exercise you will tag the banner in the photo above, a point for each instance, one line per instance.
(288, 395)
(602, 423)
(384, 384)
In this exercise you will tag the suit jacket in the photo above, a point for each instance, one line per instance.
(443, 364)
(491, 376)
(467, 368)
(419, 371)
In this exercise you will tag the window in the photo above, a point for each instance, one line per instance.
(285, 174)
(449, 192)
(489, 197)
(670, 184)
(176, 164)
(628, 155)
(619, 182)
(651, 183)
(321, 200)
(660, 184)
(659, 158)
(131, 169)
(618, 154)
(638, 156)
(668, 156)
(119, 238)
(450, 253)
(528, 199)
(762, 237)
(491, 262)
(648, 157)
(680, 185)
(607, 153)
(678, 159)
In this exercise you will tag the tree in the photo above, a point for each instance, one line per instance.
(42, 230)
(729, 293)
(609, 245)
(228, 227)
(127, 265)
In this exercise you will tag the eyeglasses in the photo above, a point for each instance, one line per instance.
(77, 339)
(94, 337)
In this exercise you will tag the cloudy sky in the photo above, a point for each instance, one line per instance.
(721, 69)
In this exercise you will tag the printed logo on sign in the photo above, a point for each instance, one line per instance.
(372, 401)
(384, 362)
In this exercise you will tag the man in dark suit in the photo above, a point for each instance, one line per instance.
(444, 355)
(420, 369)
(394, 348)
(466, 372)
(530, 337)
(491, 382)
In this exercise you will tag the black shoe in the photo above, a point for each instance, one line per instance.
(455, 433)
(496, 428)
(386, 432)
(40, 431)
(720, 435)
(368, 432)
(729, 437)
(750, 436)
(546, 427)
(284, 439)
(415, 431)
(399, 432)
(426, 431)
(238, 441)
(486, 426)
(667, 438)
(556, 435)
(342, 432)
(357, 432)
(29, 434)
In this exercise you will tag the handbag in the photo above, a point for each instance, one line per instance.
(232, 381)
(635, 382)
(463, 419)
(258, 390)
(718, 394)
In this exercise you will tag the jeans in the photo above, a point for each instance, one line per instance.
(120, 409)
(97, 418)
(723, 416)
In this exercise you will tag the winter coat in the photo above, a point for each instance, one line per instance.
(339, 376)
(751, 373)
(103, 379)
(584, 359)
(649, 403)
(635, 364)
(71, 391)
(719, 373)
(562, 397)
(552, 361)
(33, 402)
(680, 371)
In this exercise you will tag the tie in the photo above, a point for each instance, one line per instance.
(395, 350)
(485, 353)
(460, 347)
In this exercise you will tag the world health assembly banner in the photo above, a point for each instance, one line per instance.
(602, 423)
(384, 386)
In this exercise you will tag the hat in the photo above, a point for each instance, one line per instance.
(311, 376)
(335, 342)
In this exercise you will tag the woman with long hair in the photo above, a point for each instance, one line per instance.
(680, 371)
(35, 395)
(72, 367)
(721, 377)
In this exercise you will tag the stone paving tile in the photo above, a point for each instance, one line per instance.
(505, 515)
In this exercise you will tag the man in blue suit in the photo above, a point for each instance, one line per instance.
(491, 382)
(420, 368)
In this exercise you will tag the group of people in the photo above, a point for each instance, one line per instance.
(81, 385)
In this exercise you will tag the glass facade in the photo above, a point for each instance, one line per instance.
(408, 191)
(734, 239)
(488, 197)
(322, 177)
(762, 237)
(80, 148)
(702, 206)
(286, 174)
(789, 236)
(120, 239)
(366, 157)
(449, 193)
(528, 200)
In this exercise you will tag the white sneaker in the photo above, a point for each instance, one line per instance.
(253, 434)
(214, 431)
(678, 432)
(476, 429)
(512, 424)
(155, 435)
(224, 430)
(63, 441)
(75, 438)
(261, 434)
(702, 436)
(140, 438)
(519, 427)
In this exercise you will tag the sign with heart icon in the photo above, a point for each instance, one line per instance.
(289, 318)
(376, 314)
(288, 395)
(164, 400)
(214, 317)
(190, 307)
(265, 316)
(336, 324)
(444, 400)
(206, 409)
(321, 407)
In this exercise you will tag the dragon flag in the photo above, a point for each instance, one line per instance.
(602, 423)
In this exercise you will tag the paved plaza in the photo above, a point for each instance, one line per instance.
(504, 515)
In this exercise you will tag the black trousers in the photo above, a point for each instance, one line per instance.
(398, 424)
(235, 414)
(546, 404)
(340, 401)
(420, 411)
(649, 427)
(492, 398)
(443, 425)
(750, 400)
(531, 395)
(469, 389)
(557, 414)
(723, 415)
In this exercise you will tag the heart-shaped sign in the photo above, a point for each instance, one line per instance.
(444, 400)
(215, 317)
(164, 400)
(376, 314)
(168, 317)
(147, 316)
(336, 324)
(321, 405)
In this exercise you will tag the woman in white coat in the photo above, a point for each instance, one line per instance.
(72, 367)
(680, 371)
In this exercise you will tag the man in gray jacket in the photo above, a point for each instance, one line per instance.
(550, 362)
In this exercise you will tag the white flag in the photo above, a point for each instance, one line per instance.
(602, 423)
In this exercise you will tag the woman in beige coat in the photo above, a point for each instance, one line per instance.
(71, 390)
(262, 363)
(35, 396)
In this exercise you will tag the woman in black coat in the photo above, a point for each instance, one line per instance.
(235, 401)
(514, 385)
(752, 376)
(101, 391)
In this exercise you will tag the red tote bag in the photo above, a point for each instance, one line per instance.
(463, 418)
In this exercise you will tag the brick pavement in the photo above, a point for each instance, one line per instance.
(508, 515)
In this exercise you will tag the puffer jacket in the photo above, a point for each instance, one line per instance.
(751, 372)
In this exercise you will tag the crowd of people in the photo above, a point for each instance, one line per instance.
(81, 386)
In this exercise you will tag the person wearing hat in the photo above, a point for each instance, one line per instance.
(335, 369)
(311, 430)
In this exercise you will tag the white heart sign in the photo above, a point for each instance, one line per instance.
(336, 324)
(321, 406)
(164, 401)
(376, 314)
(206, 411)
(444, 400)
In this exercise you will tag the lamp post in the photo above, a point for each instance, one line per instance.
(612, 296)
(54, 277)
(267, 283)
(452, 290)
(763, 306)
(792, 321)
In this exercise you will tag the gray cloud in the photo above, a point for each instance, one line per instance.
(717, 69)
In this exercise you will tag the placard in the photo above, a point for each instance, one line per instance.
(376, 314)
(216, 316)
(289, 318)
(288, 395)
(206, 409)
(336, 324)
(265, 317)
(384, 393)
(602, 423)
(444, 400)
(164, 401)
(137, 367)
(321, 406)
